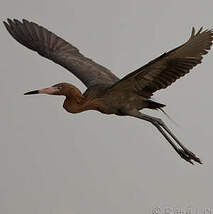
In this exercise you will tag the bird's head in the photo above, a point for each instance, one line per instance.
(65, 89)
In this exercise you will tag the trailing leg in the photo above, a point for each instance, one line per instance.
(165, 131)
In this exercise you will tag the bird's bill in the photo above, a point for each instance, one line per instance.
(50, 90)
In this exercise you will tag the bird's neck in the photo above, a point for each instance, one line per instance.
(81, 104)
(76, 103)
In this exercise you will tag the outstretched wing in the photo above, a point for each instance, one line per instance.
(49, 45)
(167, 68)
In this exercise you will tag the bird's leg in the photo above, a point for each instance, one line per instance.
(175, 138)
(179, 151)
(161, 126)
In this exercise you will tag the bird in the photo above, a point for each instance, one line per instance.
(108, 93)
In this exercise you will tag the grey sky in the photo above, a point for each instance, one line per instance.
(54, 162)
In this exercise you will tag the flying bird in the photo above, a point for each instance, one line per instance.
(107, 93)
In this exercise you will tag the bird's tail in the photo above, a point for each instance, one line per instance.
(154, 105)
(160, 106)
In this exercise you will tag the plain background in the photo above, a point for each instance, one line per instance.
(53, 162)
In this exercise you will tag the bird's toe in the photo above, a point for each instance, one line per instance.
(188, 156)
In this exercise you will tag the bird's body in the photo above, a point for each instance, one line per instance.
(100, 98)
(107, 93)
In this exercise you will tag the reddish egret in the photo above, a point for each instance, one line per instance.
(105, 91)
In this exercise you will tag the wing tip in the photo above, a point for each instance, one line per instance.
(5, 24)
(200, 31)
(9, 26)
(11, 21)
(193, 34)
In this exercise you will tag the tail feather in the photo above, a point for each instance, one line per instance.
(159, 106)
(154, 105)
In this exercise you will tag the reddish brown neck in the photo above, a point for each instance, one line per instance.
(80, 104)
(75, 102)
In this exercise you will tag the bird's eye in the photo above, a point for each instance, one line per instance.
(59, 87)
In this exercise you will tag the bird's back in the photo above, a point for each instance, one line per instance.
(96, 91)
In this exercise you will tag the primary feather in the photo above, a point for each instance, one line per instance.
(167, 68)
(51, 46)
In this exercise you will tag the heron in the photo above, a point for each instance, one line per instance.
(106, 92)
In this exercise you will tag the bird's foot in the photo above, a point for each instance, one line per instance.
(193, 156)
(188, 156)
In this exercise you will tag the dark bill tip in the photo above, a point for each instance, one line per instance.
(32, 92)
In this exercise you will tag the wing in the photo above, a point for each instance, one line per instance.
(167, 68)
(49, 45)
